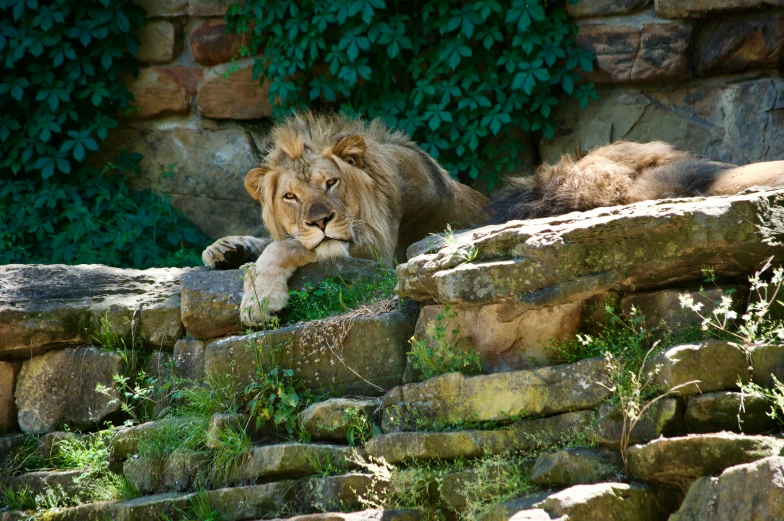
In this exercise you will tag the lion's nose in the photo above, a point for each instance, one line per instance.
(322, 223)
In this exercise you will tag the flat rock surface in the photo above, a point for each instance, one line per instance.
(750, 492)
(523, 435)
(289, 460)
(366, 358)
(647, 245)
(664, 418)
(677, 462)
(454, 398)
(211, 298)
(577, 466)
(43, 307)
(728, 411)
(331, 420)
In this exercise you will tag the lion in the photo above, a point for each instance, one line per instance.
(624, 172)
(330, 187)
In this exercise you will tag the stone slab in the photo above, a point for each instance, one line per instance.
(370, 359)
(677, 462)
(665, 418)
(728, 411)
(651, 244)
(238, 96)
(288, 460)
(741, 44)
(330, 420)
(8, 373)
(453, 398)
(577, 466)
(46, 307)
(158, 40)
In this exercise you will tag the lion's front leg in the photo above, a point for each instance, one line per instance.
(233, 251)
(265, 290)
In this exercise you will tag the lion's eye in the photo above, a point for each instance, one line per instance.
(350, 160)
(332, 182)
(290, 196)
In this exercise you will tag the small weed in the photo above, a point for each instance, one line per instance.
(444, 351)
(775, 396)
(359, 427)
(334, 296)
(200, 509)
(232, 446)
(17, 499)
(328, 465)
(24, 458)
(493, 480)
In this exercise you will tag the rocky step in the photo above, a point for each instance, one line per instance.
(546, 262)
(364, 515)
(231, 504)
(619, 501)
(678, 462)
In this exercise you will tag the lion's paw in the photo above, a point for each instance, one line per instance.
(261, 302)
(232, 252)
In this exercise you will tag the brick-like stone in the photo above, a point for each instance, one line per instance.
(8, 373)
(164, 8)
(591, 8)
(189, 358)
(176, 472)
(158, 40)
(288, 460)
(702, 8)
(612, 501)
(453, 398)
(663, 418)
(636, 52)
(524, 435)
(237, 97)
(156, 95)
(677, 462)
(506, 335)
(208, 7)
(187, 78)
(767, 363)
(749, 492)
(716, 364)
(211, 44)
(664, 307)
(728, 411)
(577, 466)
(741, 45)
(58, 388)
(330, 420)
(336, 493)
(371, 358)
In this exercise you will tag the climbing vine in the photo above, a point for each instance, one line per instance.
(463, 78)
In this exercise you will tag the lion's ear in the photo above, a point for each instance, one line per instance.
(254, 181)
(351, 149)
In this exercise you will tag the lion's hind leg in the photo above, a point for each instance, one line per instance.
(233, 251)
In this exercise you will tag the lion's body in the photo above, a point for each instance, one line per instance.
(332, 186)
(624, 173)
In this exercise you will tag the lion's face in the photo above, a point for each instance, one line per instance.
(309, 198)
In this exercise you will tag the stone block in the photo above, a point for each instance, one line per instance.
(663, 418)
(453, 398)
(176, 472)
(741, 45)
(126, 440)
(288, 460)
(703, 8)
(336, 493)
(728, 411)
(208, 7)
(239, 96)
(163, 8)
(8, 373)
(158, 40)
(45, 307)
(556, 260)
(211, 44)
(330, 420)
(591, 8)
(370, 359)
(577, 466)
(767, 364)
(664, 307)
(716, 364)
(525, 435)
(58, 388)
(189, 358)
(636, 52)
(156, 95)
(40, 481)
(612, 501)
(677, 462)
(749, 492)
(506, 335)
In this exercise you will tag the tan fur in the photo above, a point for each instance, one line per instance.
(386, 193)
